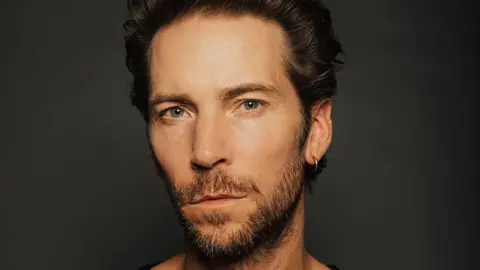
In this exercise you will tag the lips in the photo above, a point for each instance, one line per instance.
(213, 197)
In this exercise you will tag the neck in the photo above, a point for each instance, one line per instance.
(289, 254)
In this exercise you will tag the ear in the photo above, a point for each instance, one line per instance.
(320, 134)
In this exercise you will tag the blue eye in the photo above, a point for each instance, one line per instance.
(175, 112)
(251, 104)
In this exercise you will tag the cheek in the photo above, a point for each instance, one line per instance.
(264, 147)
(171, 148)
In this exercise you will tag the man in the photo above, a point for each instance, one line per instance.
(237, 97)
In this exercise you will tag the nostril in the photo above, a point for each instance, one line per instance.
(206, 166)
(199, 168)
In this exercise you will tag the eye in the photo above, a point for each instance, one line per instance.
(251, 104)
(175, 112)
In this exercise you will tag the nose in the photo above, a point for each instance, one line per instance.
(210, 147)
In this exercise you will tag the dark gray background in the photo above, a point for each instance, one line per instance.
(78, 190)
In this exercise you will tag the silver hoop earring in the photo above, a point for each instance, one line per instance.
(315, 166)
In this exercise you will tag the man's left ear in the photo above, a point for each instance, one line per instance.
(320, 134)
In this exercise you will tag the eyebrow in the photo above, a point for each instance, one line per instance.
(238, 90)
(228, 93)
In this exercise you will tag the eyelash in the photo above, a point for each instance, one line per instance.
(261, 104)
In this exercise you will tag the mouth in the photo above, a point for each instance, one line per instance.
(217, 198)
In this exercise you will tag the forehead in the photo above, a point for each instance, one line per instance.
(215, 52)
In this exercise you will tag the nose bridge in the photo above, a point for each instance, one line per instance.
(209, 141)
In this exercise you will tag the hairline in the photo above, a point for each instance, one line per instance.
(287, 57)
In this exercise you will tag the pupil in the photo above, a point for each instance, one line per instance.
(251, 104)
(176, 112)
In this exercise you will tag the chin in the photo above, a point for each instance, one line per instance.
(229, 228)
(221, 242)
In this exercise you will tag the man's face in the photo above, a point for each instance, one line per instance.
(225, 128)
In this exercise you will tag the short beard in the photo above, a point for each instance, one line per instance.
(266, 228)
(260, 235)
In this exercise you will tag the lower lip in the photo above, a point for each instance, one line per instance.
(218, 202)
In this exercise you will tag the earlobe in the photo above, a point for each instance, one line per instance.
(320, 134)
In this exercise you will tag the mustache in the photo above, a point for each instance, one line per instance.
(219, 181)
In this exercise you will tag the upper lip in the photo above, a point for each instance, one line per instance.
(217, 196)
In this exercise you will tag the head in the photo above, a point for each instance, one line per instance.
(237, 98)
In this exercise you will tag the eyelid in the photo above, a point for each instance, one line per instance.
(161, 113)
(242, 101)
(169, 105)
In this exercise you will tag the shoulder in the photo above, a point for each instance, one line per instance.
(171, 263)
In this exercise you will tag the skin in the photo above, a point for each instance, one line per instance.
(200, 59)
